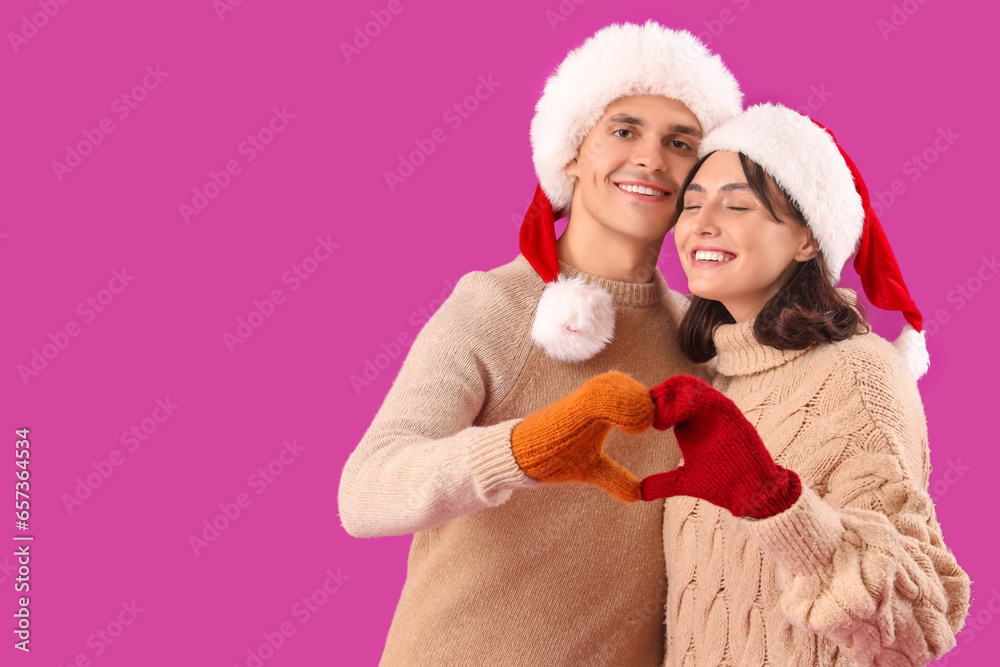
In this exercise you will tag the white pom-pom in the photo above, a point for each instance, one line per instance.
(913, 347)
(575, 319)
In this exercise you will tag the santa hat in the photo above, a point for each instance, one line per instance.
(575, 319)
(809, 165)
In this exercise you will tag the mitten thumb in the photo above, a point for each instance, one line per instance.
(665, 484)
(616, 480)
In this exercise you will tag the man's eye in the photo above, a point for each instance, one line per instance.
(621, 130)
(680, 144)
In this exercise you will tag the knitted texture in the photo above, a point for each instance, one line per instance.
(504, 570)
(565, 441)
(856, 572)
(725, 461)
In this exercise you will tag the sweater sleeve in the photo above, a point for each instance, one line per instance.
(866, 564)
(421, 462)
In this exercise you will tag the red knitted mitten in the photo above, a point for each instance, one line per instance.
(725, 461)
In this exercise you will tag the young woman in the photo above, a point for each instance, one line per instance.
(798, 529)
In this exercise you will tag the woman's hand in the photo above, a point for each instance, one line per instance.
(725, 461)
(565, 441)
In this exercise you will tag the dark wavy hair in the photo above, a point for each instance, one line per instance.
(805, 311)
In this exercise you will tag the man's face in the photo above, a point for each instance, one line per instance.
(646, 144)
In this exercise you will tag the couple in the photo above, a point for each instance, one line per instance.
(783, 515)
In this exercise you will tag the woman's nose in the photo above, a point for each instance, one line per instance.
(703, 222)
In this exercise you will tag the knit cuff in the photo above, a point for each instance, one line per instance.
(803, 538)
(495, 471)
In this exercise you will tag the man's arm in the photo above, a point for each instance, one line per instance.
(422, 462)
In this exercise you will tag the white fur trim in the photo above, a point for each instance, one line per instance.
(575, 319)
(913, 347)
(806, 163)
(619, 61)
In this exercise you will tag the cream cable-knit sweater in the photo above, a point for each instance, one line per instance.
(503, 570)
(856, 571)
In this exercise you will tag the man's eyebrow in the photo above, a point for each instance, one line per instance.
(629, 119)
(684, 129)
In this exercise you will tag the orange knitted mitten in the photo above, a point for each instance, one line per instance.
(565, 441)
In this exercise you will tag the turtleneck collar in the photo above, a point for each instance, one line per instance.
(739, 353)
(638, 295)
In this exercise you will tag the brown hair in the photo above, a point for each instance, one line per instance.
(805, 311)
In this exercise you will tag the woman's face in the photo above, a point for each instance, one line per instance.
(731, 248)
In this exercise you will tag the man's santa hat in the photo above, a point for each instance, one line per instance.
(811, 168)
(575, 319)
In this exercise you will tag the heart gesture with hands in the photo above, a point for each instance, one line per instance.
(725, 461)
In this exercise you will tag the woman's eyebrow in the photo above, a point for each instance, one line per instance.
(728, 187)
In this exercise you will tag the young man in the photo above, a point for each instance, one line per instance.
(503, 569)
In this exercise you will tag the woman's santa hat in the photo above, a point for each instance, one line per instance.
(811, 168)
(575, 319)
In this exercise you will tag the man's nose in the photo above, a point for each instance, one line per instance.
(651, 156)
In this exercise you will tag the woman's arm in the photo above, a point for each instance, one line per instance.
(866, 565)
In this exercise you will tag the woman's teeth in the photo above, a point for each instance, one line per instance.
(642, 190)
(710, 256)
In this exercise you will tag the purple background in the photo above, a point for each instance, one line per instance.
(885, 91)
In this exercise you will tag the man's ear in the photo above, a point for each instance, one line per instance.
(573, 168)
(809, 247)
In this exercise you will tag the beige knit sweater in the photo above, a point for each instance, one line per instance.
(503, 570)
(856, 571)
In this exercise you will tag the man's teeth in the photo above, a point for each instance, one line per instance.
(710, 256)
(641, 189)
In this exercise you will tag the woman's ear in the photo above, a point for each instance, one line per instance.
(809, 247)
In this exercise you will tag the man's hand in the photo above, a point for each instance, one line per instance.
(565, 441)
